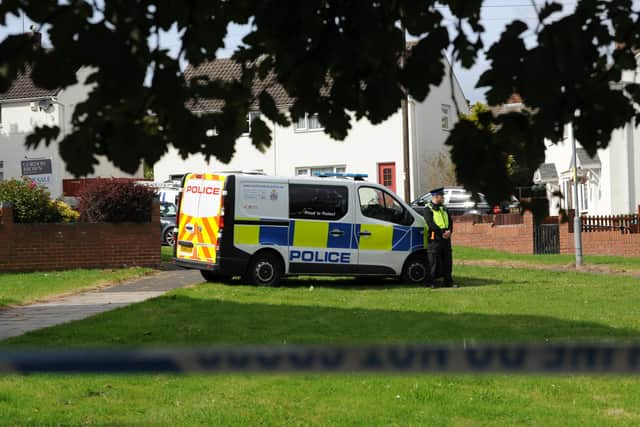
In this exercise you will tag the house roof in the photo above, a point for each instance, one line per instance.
(513, 105)
(227, 69)
(546, 173)
(586, 161)
(24, 88)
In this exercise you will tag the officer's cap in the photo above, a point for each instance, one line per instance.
(437, 191)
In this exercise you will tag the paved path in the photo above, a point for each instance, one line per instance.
(19, 320)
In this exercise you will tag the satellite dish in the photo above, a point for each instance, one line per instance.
(45, 104)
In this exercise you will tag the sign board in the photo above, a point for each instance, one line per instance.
(39, 171)
(36, 167)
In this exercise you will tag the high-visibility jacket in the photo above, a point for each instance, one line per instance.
(440, 219)
(440, 216)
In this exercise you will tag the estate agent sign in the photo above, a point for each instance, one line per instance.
(39, 171)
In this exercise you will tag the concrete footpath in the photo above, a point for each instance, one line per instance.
(19, 320)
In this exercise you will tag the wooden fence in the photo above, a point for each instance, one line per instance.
(625, 224)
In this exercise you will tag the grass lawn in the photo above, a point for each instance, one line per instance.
(166, 254)
(616, 262)
(21, 288)
(493, 304)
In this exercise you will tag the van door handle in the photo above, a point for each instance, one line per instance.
(365, 233)
(189, 227)
(336, 233)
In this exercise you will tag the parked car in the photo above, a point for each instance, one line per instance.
(168, 227)
(457, 200)
(508, 206)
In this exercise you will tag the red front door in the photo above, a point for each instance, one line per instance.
(387, 175)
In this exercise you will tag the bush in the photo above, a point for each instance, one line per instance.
(66, 212)
(31, 203)
(115, 201)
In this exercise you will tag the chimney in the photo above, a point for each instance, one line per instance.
(36, 36)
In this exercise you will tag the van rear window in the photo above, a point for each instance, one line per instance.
(322, 202)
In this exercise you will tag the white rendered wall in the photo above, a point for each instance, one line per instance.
(247, 157)
(18, 121)
(427, 129)
(362, 150)
(602, 198)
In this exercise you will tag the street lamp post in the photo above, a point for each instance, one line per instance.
(577, 224)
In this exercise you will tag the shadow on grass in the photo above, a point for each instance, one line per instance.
(183, 320)
(367, 283)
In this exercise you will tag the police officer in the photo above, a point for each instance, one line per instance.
(439, 228)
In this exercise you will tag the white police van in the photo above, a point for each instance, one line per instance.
(264, 227)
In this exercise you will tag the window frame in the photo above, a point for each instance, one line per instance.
(307, 187)
(255, 114)
(306, 127)
(309, 169)
(405, 212)
(445, 116)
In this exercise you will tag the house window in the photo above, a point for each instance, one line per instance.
(308, 123)
(585, 197)
(316, 170)
(446, 119)
(250, 118)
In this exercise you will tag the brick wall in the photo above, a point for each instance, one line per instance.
(516, 238)
(32, 247)
(519, 238)
(612, 243)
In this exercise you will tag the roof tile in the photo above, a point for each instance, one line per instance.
(24, 88)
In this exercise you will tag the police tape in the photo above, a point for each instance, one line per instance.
(551, 359)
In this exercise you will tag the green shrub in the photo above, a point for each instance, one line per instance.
(111, 200)
(31, 203)
(66, 212)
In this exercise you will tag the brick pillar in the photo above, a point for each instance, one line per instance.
(155, 212)
(6, 234)
(155, 232)
(528, 223)
(7, 214)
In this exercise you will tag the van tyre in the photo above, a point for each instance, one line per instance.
(415, 270)
(265, 270)
(213, 276)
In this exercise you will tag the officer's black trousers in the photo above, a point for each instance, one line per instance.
(440, 260)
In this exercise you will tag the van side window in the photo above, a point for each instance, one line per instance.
(323, 202)
(378, 204)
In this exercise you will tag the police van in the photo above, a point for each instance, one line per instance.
(265, 227)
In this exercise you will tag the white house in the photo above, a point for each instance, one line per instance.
(608, 183)
(24, 107)
(304, 148)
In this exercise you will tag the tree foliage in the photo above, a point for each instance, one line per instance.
(340, 59)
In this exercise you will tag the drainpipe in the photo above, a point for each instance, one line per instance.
(631, 173)
(63, 132)
(275, 150)
(405, 128)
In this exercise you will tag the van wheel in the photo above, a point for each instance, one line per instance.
(265, 270)
(212, 276)
(415, 270)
